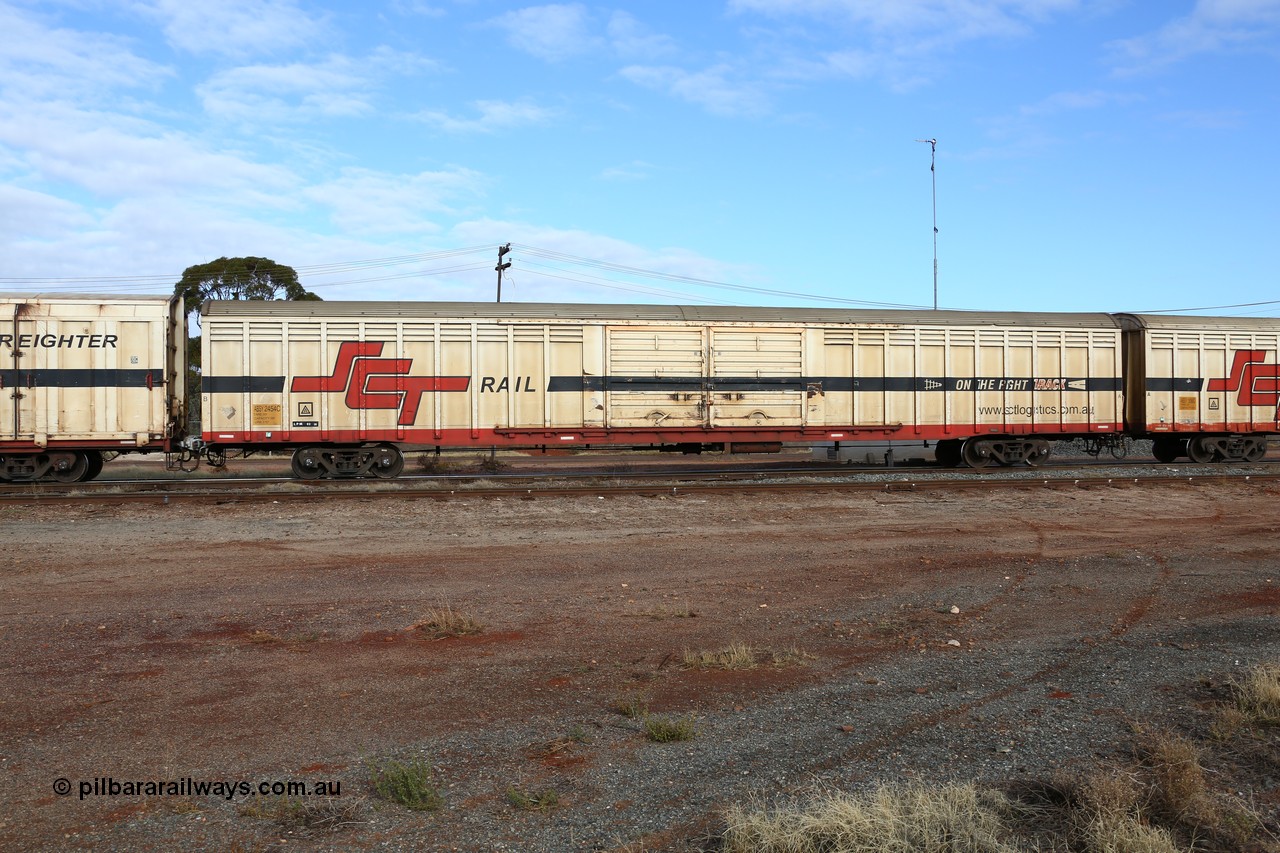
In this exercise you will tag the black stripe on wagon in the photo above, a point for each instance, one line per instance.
(726, 384)
(241, 384)
(677, 383)
(81, 378)
(738, 384)
(1174, 384)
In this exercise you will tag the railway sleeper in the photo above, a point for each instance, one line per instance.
(314, 462)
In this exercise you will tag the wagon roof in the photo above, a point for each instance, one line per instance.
(1203, 324)
(85, 297)
(531, 311)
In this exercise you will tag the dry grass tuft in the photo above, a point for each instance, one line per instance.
(790, 656)
(889, 819)
(1179, 791)
(444, 621)
(1228, 721)
(669, 729)
(434, 463)
(1109, 816)
(1258, 695)
(739, 656)
(1110, 833)
(735, 656)
(326, 814)
(533, 801)
(633, 706)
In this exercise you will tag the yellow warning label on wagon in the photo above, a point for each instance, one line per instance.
(1187, 404)
(266, 414)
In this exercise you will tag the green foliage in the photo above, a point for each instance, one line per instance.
(231, 278)
(669, 729)
(409, 784)
(240, 278)
(533, 801)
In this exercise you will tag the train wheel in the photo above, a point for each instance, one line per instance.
(947, 453)
(95, 461)
(1167, 448)
(308, 463)
(1255, 449)
(387, 462)
(1037, 452)
(70, 470)
(1200, 449)
(976, 454)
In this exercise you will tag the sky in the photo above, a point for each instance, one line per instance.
(1091, 155)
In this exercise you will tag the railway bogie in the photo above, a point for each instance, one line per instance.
(315, 461)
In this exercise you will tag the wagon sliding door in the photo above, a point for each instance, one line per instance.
(757, 377)
(655, 377)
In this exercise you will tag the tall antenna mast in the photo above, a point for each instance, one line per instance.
(933, 173)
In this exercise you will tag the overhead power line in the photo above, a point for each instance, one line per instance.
(1209, 307)
(699, 282)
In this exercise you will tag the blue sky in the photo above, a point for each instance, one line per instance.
(1092, 155)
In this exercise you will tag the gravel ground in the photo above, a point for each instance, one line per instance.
(942, 635)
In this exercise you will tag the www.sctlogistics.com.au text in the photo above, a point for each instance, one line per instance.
(228, 789)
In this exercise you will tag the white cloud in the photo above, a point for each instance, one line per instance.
(636, 170)
(1213, 26)
(562, 31)
(338, 86)
(237, 28)
(364, 201)
(491, 116)
(43, 62)
(1036, 126)
(115, 156)
(553, 33)
(1060, 102)
(631, 39)
(1205, 119)
(899, 42)
(961, 19)
(540, 279)
(271, 92)
(30, 217)
(417, 7)
(715, 89)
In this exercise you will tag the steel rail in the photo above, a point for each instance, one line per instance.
(527, 477)
(358, 490)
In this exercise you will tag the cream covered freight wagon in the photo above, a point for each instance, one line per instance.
(347, 384)
(85, 374)
(1203, 387)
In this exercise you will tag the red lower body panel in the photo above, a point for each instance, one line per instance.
(527, 436)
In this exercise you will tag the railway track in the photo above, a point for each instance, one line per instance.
(667, 482)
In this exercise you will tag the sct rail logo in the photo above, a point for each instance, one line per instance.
(378, 383)
(1257, 382)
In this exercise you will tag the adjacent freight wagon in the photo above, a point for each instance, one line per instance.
(1206, 388)
(81, 375)
(347, 385)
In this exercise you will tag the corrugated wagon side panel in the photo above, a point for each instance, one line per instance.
(89, 371)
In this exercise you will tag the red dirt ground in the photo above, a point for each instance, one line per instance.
(262, 641)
